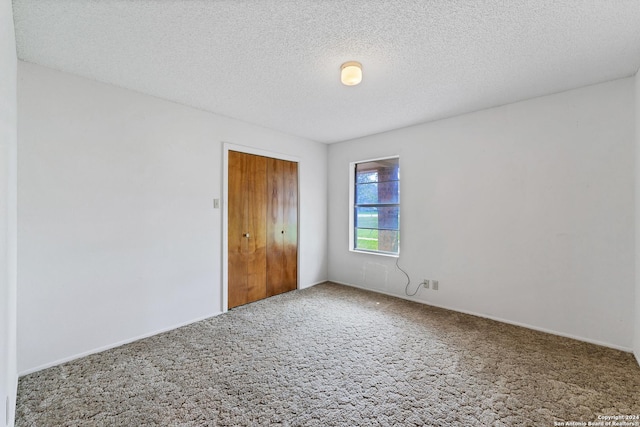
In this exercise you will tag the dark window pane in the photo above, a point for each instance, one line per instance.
(377, 240)
(367, 217)
(378, 217)
(388, 241)
(389, 217)
(367, 193)
(366, 176)
(367, 239)
(375, 165)
(384, 192)
(388, 192)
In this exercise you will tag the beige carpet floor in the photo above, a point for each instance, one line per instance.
(337, 356)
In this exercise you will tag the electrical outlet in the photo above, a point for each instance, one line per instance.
(425, 283)
(435, 285)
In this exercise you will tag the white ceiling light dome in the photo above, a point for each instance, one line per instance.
(351, 73)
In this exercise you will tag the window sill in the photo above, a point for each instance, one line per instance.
(359, 251)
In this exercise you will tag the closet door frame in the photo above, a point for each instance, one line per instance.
(226, 147)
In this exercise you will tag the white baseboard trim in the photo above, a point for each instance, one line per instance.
(11, 400)
(114, 345)
(130, 340)
(310, 285)
(497, 319)
(160, 331)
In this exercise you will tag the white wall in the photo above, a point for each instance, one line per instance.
(524, 213)
(117, 233)
(636, 347)
(8, 110)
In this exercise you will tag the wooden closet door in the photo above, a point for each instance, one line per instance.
(290, 240)
(282, 226)
(247, 261)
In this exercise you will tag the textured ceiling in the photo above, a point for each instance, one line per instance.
(276, 62)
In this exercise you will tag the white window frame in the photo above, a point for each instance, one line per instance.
(352, 199)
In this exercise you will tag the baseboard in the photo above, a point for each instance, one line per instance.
(111, 346)
(497, 319)
(127, 341)
(11, 400)
(314, 284)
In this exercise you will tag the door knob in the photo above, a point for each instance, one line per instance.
(246, 235)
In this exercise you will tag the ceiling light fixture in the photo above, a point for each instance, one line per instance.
(351, 73)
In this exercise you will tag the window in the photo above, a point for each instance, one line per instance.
(375, 206)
